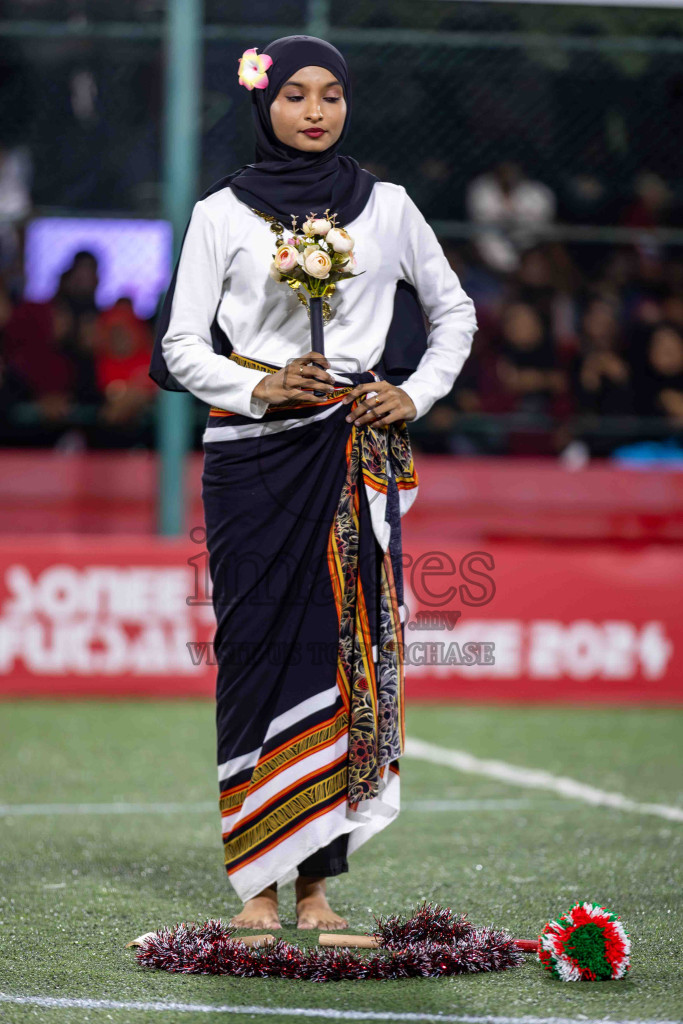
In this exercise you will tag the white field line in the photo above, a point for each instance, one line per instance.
(18, 810)
(530, 778)
(534, 778)
(21, 810)
(54, 1002)
(492, 804)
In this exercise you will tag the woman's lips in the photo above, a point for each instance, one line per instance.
(314, 133)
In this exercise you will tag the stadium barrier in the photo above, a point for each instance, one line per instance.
(524, 582)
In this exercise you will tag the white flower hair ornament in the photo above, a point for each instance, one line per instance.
(252, 69)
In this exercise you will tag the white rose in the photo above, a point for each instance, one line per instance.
(307, 226)
(317, 263)
(320, 226)
(340, 240)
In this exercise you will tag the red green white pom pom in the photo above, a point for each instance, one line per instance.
(586, 944)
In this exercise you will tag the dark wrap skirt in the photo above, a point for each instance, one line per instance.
(302, 513)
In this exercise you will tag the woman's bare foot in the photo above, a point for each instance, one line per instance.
(312, 908)
(259, 912)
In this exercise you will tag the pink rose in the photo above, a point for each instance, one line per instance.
(286, 258)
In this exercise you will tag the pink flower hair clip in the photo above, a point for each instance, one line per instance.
(252, 69)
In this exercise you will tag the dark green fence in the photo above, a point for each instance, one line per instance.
(442, 91)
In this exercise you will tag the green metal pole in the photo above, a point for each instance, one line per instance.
(318, 18)
(181, 155)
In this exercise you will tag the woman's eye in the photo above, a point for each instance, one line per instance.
(329, 99)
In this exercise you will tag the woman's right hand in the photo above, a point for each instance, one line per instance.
(285, 386)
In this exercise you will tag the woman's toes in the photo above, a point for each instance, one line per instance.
(257, 923)
(317, 915)
(337, 922)
(258, 912)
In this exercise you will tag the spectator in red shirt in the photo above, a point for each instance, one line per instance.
(123, 344)
(35, 341)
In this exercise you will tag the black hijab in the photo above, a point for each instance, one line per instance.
(283, 181)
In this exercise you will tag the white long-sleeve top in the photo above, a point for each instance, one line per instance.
(224, 267)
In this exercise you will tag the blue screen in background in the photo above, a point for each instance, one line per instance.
(134, 258)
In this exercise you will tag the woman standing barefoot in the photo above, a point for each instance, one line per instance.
(303, 493)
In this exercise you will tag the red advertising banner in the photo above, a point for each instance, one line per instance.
(96, 493)
(128, 616)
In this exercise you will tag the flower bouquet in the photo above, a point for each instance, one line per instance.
(314, 258)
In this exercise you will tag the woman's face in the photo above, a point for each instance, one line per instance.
(666, 352)
(522, 326)
(311, 98)
(600, 325)
(535, 269)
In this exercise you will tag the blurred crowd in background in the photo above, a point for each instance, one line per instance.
(541, 141)
(576, 343)
(579, 348)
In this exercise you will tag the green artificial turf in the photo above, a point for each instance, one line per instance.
(77, 886)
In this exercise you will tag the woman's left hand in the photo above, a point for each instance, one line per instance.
(389, 405)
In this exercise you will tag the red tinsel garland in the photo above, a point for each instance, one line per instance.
(432, 942)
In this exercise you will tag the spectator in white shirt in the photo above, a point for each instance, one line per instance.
(512, 209)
